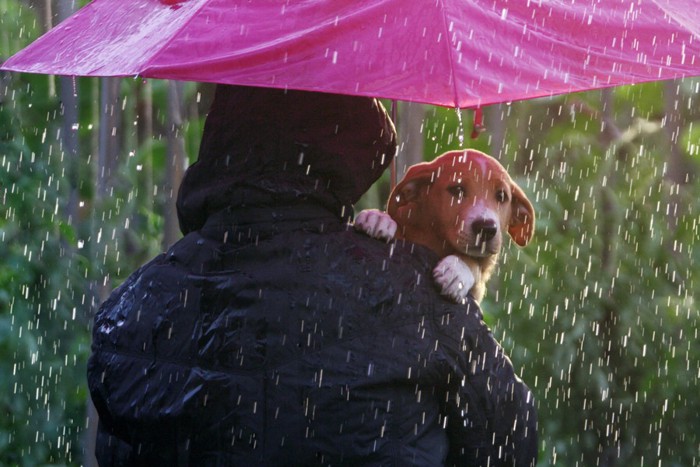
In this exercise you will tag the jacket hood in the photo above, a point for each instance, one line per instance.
(281, 145)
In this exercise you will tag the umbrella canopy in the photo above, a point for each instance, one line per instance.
(460, 53)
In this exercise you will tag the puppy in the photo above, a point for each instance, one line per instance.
(459, 205)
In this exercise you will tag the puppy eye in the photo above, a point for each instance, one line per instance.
(501, 196)
(457, 191)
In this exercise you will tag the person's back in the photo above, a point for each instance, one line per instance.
(272, 334)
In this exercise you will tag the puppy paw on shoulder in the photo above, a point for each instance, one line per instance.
(376, 224)
(454, 278)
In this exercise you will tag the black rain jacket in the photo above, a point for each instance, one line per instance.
(272, 334)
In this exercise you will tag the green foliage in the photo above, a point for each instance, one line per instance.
(43, 340)
(600, 311)
(18, 26)
(64, 246)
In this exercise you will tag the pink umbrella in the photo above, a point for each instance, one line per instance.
(461, 53)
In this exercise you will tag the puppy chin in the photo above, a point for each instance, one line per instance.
(476, 249)
(483, 250)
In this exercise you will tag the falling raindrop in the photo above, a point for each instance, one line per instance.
(460, 127)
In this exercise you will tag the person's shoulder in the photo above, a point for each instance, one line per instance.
(162, 268)
(401, 261)
(396, 251)
(131, 283)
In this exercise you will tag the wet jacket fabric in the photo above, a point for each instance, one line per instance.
(273, 334)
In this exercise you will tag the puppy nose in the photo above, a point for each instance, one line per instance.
(486, 229)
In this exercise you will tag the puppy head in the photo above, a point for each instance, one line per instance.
(460, 203)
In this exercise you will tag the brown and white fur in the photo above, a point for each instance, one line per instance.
(458, 205)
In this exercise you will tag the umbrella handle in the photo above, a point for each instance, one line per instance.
(479, 126)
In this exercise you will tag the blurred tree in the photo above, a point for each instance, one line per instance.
(71, 223)
(176, 163)
(599, 312)
(42, 343)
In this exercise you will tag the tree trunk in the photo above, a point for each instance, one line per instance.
(47, 16)
(68, 92)
(410, 137)
(496, 129)
(144, 112)
(109, 132)
(679, 172)
(176, 162)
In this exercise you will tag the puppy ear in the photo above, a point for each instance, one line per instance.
(408, 191)
(522, 218)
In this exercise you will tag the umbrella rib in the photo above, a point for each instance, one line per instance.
(450, 49)
(153, 57)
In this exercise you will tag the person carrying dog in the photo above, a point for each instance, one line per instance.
(273, 334)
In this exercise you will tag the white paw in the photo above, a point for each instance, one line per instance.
(454, 278)
(376, 224)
